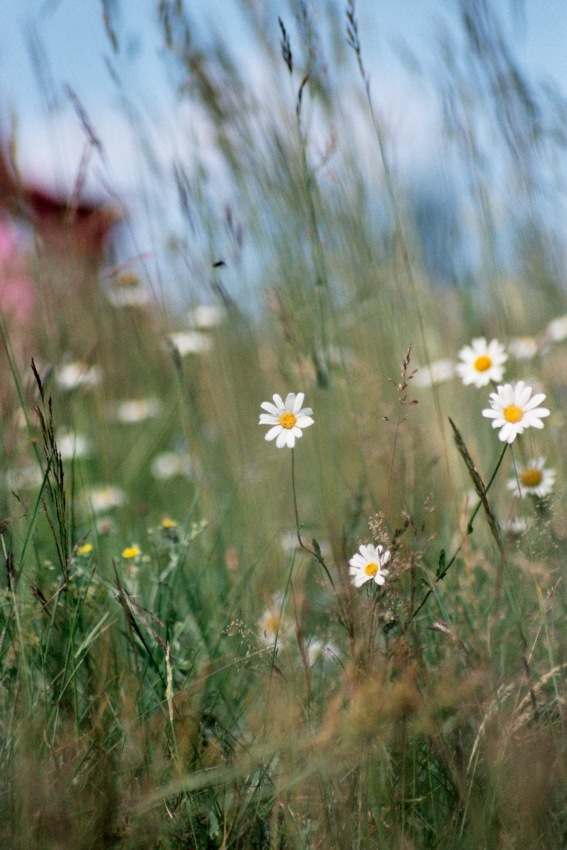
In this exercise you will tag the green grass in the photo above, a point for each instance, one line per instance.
(141, 705)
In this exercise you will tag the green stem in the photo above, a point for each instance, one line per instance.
(305, 548)
(486, 489)
(452, 560)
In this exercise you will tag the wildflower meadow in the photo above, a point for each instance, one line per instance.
(283, 494)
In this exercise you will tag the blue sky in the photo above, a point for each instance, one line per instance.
(70, 39)
(47, 44)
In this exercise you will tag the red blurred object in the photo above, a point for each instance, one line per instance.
(63, 224)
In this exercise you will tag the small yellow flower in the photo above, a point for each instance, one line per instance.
(85, 549)
(167, 523)
(131, 552)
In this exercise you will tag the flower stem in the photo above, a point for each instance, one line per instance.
(452, 560)
(318, 557)
(486, 489)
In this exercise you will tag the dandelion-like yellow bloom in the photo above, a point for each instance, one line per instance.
(131, 552)
(85, 549)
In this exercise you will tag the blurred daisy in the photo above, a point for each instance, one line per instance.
(72, 376)
(523, 347)
(288, 419)
(205, 316)
(274, 627)
(514, 408)
(533, 479)
(190, 342)
(105, 498)
(369, 563)
(516, 526)
(436, 373)
(72, 445)
(556, 330)
(325, 651)
(168, 465)
(134, 410)
(105, 526)
(127, 291)
(482, 362)
(23, 477)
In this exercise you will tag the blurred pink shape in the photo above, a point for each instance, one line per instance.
(17, 293)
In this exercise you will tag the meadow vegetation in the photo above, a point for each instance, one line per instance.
(355, 639)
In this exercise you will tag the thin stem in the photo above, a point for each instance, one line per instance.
(312, 552)
(486, 489)
(452, 560)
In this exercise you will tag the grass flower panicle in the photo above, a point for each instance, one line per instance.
(513, 408)
(482, 362)
(288, 419)
(368, 564)
(533, 479)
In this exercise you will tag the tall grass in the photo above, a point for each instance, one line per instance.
(187, 664)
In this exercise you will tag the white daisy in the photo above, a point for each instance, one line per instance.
(129, 296)
(316, 650)
(288, 419)
(533, 479)
(104, 498)
(368, 563)
(71, 376)
(523, 347)
(513, 409)
(72, 445)
(190, 342)
(133, 410)
(274, 626)
(168, 465)
(205, 316)
(516, 526)
(482, 362)
(435, 373)
(556, 330)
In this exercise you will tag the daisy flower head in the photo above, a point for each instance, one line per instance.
(274, 626)
(513, 408)
(369, 563)
(533, 479)
(287, 418)
(481, 362)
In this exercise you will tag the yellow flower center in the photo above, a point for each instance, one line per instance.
(531, 477)
(168, 523)
(288, 420)
(371, 569)
(271, 624)
(482, 363)
(513, 414)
